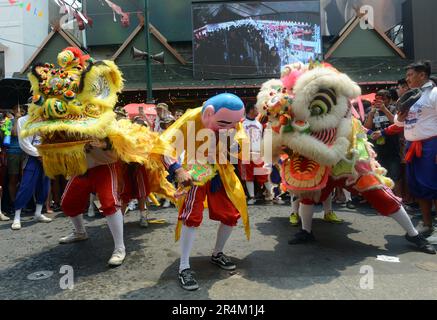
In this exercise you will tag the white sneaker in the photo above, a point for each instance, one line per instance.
(42, 218)
(131, 205)
(3, 217)
(251, 201)
(268, 195)
(268, 198)
(278, 201)
(73, 237)
(166, 204)
(117, 257)
(16, 225)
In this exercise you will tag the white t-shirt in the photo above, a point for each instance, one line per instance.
(28, 144)
(254, 130)
(421, 122)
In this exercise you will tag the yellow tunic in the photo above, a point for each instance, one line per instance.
(231, 183)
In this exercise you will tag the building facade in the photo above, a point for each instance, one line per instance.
(22, 30)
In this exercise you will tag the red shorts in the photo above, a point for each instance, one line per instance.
(134, 184)
(220, 207)
(248, 172)
(102, 180)
(382, 200)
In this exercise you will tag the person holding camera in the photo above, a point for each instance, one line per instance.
(379, 118)
(420, 128)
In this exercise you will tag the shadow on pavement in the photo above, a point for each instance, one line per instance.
(316, 263)
(88, 258)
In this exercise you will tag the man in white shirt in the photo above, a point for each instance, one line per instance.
(33, 181)
(420, 128)
(162, 112)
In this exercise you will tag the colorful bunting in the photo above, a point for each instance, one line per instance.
(28, 6)
(124, 17)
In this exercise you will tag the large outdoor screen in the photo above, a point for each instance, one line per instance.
(253, 38)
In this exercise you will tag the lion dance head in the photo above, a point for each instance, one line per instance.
(310, 113)
(73, 104)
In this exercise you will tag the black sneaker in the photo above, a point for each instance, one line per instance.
(421, 243)
(412, 208)
(223, 261)
(302, 237)
(350, 205)
(187, 280)
(56, 208)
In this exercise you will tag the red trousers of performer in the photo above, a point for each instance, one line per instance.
(102, 180)
(382, 200)
(220, 207)
(247, 172)
(134, 184)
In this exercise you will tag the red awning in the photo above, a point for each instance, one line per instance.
(134, 109)
(369, 97)
(147, 111)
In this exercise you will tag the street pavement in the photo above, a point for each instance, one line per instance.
(341, 264)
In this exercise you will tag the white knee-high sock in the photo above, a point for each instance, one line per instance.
(115, 223)
(250, 188)
(38, 210)
(223, 234)
(404, 221)
(269, 188)
(294, 203)
(327, 204)
(347, 195)
(91, 205)
(144, 212)
(306, 214)
(17, 217)
(78, 223)
(187, 239)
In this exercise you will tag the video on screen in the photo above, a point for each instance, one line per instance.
(254, 39)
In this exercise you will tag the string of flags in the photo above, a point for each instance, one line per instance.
(28, 6)
(73, 8)
(124, 17)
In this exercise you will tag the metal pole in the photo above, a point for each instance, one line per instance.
(148, 58)
(85, 45)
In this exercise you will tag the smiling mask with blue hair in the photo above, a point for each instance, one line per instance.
(222, 111)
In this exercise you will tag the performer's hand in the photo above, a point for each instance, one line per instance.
(101, 144)
(183, 177)
(376, 135)
(402, 116)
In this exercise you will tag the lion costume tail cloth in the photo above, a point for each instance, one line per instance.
(73, 104)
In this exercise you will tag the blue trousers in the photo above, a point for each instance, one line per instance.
(33, 182)
(422, 172)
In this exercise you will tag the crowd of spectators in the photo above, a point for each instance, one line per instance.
(249, 47)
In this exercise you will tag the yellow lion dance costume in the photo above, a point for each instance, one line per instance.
(72, 113)
(73, 105)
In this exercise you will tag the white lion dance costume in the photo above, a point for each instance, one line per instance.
(309, 111)
(72, 112)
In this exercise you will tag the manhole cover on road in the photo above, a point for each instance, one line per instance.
(428, 266)
(40, 275)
